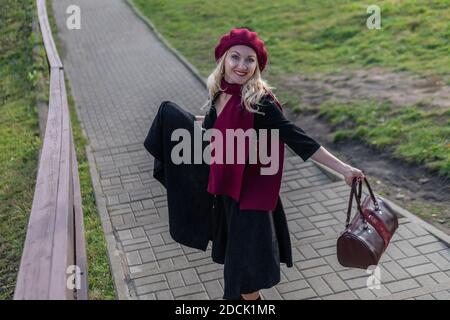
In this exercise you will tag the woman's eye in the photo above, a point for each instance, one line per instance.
(234, 57)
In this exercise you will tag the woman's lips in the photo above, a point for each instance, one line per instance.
(240, 74)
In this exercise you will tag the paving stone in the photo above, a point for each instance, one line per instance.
(311, 263)
(217, 274)
(164, 295)
(175, 279)
(320, 217)
(357, 283)
(190, 276)
(441, 295)
(302, 294)
(306, 234)
(149, 279)
(394, 252)
(317, 271)
(396, 270)
(426, 281)
(334, 263)
(416, 229)
(191, 289)
(442, 263)
(292, 286)
(407, 248)
(291, 273)
(352, 273)
(133, 258)
(422, 269)
(195, 296)
(214, 289)
(385, 274)
(440, 277)
(365, 294)
(133, 247)
(308, 252)
(319, 286)
(425, 297)
(418, 241)
(125, 235)
(327, 251)
(335, 283)
(413, 261)
(137, 232)
(154, 287)
(402, 285)
(445, 253)
(431, 247)
(348, 295)
(381, 292)
(150, 296)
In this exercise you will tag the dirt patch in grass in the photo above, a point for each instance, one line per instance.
(400, 88)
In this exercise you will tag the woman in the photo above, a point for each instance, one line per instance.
(246, 222)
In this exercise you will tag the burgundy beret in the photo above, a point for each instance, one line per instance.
(242, 36)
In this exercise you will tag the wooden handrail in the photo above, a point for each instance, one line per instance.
(54, 245)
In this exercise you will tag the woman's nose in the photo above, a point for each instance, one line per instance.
(242, 65)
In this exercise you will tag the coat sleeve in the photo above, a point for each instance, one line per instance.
(295, 137)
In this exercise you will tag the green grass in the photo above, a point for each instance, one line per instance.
(101, 285)
(314, 35)
(308, 37)
(19, 132)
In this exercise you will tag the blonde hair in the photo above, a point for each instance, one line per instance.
(252, 91)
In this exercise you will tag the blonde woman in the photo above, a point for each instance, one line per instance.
(233, 203)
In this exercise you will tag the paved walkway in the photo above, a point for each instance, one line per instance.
(119, 73)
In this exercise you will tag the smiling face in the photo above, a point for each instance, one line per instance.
(240, 64)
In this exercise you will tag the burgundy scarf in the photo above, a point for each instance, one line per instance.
(227, 178)
(244, 183)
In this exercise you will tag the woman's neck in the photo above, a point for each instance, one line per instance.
(230, 88)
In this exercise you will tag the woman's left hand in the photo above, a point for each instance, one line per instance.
(352, 172)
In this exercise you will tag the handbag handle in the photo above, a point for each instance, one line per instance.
(358, 200)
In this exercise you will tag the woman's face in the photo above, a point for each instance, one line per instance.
(240, 64)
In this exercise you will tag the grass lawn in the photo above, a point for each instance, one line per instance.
(308, 37)
(24, 84)
(19, 132)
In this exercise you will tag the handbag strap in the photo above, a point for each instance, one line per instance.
(358, 200)
(350, 201)
(375, 203)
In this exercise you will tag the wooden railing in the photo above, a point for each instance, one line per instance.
(54, 264)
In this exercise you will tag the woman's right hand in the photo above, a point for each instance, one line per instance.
(351, 173)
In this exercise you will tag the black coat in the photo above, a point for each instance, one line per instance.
(189, 204)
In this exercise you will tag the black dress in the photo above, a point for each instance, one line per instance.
(250, 244)
(245, 242)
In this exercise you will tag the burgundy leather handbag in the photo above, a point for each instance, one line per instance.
(367, 236)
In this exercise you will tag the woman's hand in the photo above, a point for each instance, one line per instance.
(352, 172)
